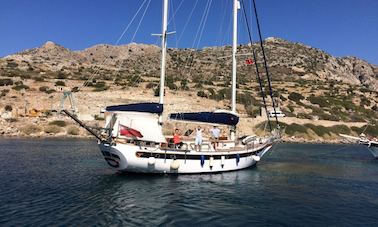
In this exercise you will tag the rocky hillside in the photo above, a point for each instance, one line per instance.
(288, 61)
(309, 84)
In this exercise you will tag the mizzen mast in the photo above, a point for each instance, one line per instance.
(236, 7)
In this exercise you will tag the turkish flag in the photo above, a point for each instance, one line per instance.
(249, 61)
(129, 132)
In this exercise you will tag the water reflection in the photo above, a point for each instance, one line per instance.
(66, 182)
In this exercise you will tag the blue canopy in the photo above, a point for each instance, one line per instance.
(224, 118)
(156, 108)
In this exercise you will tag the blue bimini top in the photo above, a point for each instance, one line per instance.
(155, 108)
(223, 118)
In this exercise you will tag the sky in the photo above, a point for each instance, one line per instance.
(339, 27)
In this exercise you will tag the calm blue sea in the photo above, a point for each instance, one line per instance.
(60, 182)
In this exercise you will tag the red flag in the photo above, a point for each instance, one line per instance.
(129, 132)
(249, 61)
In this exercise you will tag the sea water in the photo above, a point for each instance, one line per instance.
(49, 182)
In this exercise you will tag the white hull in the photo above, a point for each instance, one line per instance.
(124, 158)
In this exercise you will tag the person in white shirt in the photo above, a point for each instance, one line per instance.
(215, 133)
(198, 141)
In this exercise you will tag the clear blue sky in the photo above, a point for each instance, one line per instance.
(340, 27)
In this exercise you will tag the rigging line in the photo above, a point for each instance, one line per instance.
(265, 62)
(201, 22)
(144, 13)
(174, 12)
(256, 66)
(173, 20)
(136, 31)
(117, 42)
(204, 24)
(221, 27)
(228, 31)
(202, 29)
(191, 52)
(187, 22)
(183, 31)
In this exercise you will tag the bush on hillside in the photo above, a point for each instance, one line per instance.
(321, 101)
(337, 129)
(296, 97)
(58, 123)
(52, 129)
(30, 129)
(6, 82)
(73, 130)
(60, 83)
(294, 129)
(318, 129)
(202, 94)
(8, 108)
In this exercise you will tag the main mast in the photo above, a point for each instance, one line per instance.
(234, 63)
(163, 50)
(234, 49)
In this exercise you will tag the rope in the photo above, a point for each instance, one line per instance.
(265, 62)
(256, 66)
(144, 13)
(118, 40)
(187, 22)
(132, 40)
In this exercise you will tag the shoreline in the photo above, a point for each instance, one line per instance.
(89, 137)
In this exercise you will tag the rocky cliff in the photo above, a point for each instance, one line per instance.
(287, 61)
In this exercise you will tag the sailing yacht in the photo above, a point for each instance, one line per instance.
(133, 139)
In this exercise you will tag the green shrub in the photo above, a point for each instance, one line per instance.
(4, 92)
(151, 85)
(39, 79)
(283, 98)
(20, 87)
(296, 97)
(98, 89)
(318, 129)
(61, 76)
(337, 129)
(30, 129)
(321, 101)
(8, 108)
(294, 129)
(184, 85)
(202, 94)
(98, 117)
(58, 123)
(60, 83)
(73, 130)
(99, 84)
(157, 91)
(372, 130)
(52, 129)
(6, 82)
(252, 111)
(75, 89)
(43, 88)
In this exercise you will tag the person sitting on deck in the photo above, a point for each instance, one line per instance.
(177, 139)
(198, 141)
(215, 133)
